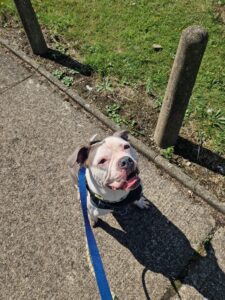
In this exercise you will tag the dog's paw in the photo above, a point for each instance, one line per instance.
(142, 203)
(94, 221)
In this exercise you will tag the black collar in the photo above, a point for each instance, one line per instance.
(104, 204)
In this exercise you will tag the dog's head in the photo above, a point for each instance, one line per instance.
(112, 162)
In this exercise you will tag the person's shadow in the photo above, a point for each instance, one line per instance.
(161, 247)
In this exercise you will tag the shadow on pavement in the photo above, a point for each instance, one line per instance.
(161, 247)
(200, 155)
(68, 62)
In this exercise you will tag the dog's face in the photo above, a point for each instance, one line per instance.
(112, 162)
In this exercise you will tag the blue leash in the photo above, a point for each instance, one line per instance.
(100, 276)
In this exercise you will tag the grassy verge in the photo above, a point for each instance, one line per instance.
(116, 38)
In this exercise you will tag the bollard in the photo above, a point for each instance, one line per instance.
(188, 58)
(31, 26)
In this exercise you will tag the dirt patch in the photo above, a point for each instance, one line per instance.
(220, 13)
(128, 106)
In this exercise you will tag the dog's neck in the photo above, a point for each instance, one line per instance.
(104, 192)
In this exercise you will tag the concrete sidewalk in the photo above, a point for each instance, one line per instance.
(178, 244)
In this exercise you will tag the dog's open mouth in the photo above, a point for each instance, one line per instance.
(131, 183)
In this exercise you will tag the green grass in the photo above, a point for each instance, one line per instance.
(116, 37)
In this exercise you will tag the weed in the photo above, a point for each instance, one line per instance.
(216, 119)
(168, 152)
(61, 48)
(201, 136)
(105, 86)
(158, 102)
(66, 80)
(58, 74)
(208, 239)
(113, 112)
(72, 72)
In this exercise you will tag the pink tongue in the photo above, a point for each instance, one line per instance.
(130, 183)
(126, 185)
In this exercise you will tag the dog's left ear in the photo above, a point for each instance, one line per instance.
(123, 134)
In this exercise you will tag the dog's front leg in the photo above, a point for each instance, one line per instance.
(92, 212)
(93, 220)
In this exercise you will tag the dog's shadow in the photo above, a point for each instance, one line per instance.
(162, 248)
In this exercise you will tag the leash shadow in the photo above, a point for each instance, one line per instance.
(161, 247)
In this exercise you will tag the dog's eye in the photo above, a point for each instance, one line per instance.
(126, 147)
(102, 161)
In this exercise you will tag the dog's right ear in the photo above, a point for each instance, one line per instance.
(77, 159)
(79, 156)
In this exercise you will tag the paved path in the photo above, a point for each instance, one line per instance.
(178, 242)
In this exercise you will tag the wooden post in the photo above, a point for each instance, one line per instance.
(190, 51)
(31, 26)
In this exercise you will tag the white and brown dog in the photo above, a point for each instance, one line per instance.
(112, 174)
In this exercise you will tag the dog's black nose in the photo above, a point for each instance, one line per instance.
(126, 163)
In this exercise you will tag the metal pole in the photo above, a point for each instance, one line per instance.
(190, 51)
(31, 26)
